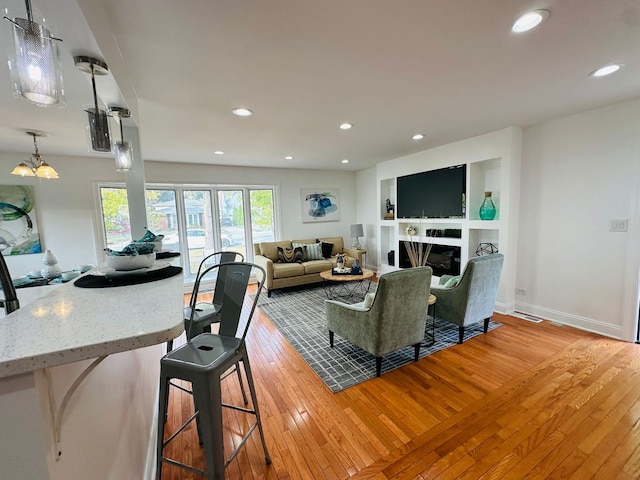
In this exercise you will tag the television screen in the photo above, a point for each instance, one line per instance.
(432, 194)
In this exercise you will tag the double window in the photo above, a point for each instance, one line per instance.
(195, 221)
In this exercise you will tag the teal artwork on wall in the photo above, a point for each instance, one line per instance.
(19, 229)
(320, 205)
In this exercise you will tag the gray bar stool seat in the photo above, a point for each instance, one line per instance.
(203, 361)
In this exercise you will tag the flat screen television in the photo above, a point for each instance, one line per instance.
(433, 194)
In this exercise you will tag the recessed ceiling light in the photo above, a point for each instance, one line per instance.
(289, 157)
(242, 112)
(606, 70)
(529, 20)
(219, 152)
(345, 161)
(418, 136)
(345, 126)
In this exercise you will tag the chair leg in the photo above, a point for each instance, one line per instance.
(268, 293)
(330, 338)
(252, 390)
(486, 324)
(162, 414)
(460, 334)
(207, 394)
(244, 395)
(417, 351)
(378, 366)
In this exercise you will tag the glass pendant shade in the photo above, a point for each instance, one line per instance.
(46, 171)
(34, 64)
(98, 126)
(124, 156)
(23, 170)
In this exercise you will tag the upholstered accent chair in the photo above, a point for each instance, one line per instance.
(395, 318)
(473, 298)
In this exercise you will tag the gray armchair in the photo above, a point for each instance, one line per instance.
(473, 299)
(395, 319)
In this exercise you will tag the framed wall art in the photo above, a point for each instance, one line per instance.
(320, 204)
(19, 228)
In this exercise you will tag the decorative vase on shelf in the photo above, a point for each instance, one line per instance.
(487, 209)
(50, 269)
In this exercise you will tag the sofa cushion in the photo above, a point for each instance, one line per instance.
(270, 249)
(338, 244)
(326, 248)
(286, 270)
(290, 255)
(317, 266)
(312, 251)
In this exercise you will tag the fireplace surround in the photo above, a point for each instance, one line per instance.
(443, 259)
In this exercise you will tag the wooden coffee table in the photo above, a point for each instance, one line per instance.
(348, 288)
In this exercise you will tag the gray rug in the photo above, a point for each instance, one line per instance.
(299, 315)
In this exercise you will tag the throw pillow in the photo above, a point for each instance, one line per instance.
(326, 248)
(313, 251)
(452, 282)
(290, 255)
(368, 299)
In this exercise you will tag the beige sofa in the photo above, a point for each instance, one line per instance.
(280, 275)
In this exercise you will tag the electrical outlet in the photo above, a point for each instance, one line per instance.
(521, 291)
(618, 225)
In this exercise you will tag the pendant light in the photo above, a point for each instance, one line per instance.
(122, 149)
(34, 63)
(35, 166)
(98, 118)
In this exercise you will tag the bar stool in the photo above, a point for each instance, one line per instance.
(203, 361)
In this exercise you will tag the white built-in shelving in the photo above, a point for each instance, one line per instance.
(493, 165)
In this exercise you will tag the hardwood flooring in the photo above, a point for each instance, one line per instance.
(526, 400)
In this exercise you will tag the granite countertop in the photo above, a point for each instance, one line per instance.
(68, 324)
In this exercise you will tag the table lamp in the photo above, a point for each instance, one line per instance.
(356, 232)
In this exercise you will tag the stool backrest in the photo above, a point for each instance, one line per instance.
(231, 295)
(217, 258)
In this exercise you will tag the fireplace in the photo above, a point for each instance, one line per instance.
(443, 259)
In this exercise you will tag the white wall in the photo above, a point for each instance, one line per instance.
(367, 214)
(67, 212)
(289, 183)
(578, 173)
(64, 209)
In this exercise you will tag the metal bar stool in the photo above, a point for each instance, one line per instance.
(203, 361)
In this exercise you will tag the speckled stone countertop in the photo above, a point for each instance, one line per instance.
(69, 324)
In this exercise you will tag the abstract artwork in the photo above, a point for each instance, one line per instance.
(320, 205)
(18, 228)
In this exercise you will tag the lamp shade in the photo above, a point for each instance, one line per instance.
(98, 128)
(34, 64)
(124, 159)
(357, 230)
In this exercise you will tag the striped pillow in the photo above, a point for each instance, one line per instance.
(313, 251)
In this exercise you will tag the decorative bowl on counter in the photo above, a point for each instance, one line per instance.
(130, 262)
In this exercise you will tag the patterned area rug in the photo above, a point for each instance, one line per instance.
(299, 315)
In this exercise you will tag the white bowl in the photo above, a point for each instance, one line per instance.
(158, 246)
(130, 262)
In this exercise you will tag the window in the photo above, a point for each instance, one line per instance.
(185, 216)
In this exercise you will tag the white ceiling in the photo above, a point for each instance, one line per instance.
(449, 69)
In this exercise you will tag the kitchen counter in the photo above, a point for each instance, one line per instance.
(69, 324)
(79, 373)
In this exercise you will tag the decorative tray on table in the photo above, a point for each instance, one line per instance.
(344, 271)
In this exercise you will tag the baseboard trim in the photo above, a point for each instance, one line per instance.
(583, 323)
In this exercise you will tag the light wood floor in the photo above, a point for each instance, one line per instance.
(524, 401)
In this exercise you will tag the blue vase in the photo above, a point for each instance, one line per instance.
(487, 209)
